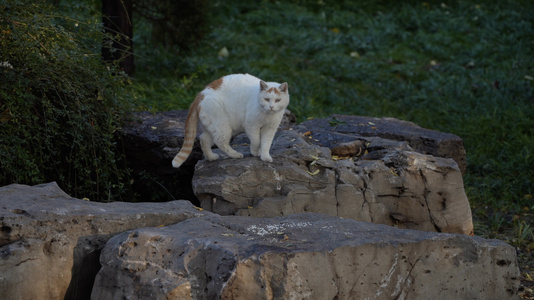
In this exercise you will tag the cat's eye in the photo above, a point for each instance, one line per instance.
(267, 99)
(277, 100)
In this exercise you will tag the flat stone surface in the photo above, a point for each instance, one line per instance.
(303, 256)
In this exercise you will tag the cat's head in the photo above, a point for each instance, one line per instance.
(273, 97)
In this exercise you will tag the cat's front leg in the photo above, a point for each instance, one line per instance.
(267, 136)
(254, 137)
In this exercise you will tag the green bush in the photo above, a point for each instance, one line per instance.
(59, 106)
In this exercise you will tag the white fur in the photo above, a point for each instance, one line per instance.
(239, 105)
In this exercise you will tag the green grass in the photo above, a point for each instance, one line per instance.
(464, 67)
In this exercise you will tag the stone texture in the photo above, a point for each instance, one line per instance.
(304, 256)
(50, 242)
(422, 140)
(384, 181)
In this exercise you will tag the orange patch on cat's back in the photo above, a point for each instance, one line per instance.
(273, 90)
(215, 84)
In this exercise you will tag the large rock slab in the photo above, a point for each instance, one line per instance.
(305, 256)
(380, 180)
(422, 140)
(50, 243)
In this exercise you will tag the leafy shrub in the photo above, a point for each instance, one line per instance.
(59, 106)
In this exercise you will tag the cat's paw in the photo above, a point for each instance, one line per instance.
(266, 157)
(235, 154)
(212, 156)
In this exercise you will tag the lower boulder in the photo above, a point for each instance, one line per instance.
(50, 243)
(303, 256)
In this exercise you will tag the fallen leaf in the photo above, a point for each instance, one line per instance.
(223, 53)
(198, 208)
(227, 234)
(5, 116)
(314, 172)
(336, 122)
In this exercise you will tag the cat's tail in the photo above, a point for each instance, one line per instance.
(191, 124)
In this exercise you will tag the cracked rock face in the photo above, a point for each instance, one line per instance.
(303, 256)
(422, 140)
(50, 243)
(378, 180)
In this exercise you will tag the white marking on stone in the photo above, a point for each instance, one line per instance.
(385, 281)
(278, 179)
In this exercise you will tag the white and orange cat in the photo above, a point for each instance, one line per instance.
(230, 105)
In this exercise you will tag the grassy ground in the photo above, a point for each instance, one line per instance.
(464, 67)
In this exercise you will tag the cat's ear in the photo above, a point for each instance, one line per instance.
(283, 87)
(263, 85)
